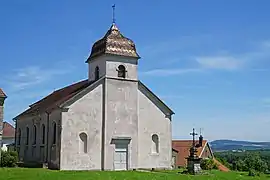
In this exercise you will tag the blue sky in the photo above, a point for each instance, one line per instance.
(208, 60)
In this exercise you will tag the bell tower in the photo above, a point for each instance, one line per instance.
(113, 56)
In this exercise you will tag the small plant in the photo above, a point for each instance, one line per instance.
(252, 172)
(9, 158)
(208, 164)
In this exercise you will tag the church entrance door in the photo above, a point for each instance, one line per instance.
(121, 157)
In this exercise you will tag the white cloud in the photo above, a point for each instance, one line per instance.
(250, 59)
(265, 44)
(33, 75)
(219, 62)
(169, 72)
(266, 103)
(266, 100)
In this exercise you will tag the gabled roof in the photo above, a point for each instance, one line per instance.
(56, 98)
(183, 147)
(2, 94)
(8, 130)
(156, 97)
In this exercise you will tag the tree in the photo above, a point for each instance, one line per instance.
(240, 165)
(254, 161)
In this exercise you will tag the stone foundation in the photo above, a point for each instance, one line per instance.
(194, 165)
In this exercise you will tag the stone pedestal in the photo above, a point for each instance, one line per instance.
(194, 165)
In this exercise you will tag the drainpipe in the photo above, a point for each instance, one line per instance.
(103, 128)
(47, 147)
(15, 142)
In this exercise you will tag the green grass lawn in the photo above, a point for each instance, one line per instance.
(44, 174)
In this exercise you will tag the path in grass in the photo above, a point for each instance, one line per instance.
(221, 167)
(43, 174)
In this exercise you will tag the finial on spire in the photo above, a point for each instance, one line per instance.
(113, 13)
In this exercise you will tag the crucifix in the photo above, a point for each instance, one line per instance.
(193, 134)
(194, 161)
(113, 14)
(193, 148)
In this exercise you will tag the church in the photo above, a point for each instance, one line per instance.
(109, 121)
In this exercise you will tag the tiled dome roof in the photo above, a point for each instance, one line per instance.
(114, 43)
(2, 94)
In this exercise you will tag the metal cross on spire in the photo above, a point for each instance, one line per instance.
(113, 13)
(193, 134)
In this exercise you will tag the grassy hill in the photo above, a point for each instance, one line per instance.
(43, 174)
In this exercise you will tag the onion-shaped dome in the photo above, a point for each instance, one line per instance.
(114, 43)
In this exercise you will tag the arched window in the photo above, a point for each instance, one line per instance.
(35, 134)
(97, 73)
(54, 133)
(83, 142)
(121, 71)
(27, 135)
(155, 143)
(19, 136)
(43, 133)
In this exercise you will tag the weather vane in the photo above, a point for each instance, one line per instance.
(113, 13)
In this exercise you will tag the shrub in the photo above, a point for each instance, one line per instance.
(251, 172)
(208, 164)
(9, 158)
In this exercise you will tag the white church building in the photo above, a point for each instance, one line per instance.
(110, 121)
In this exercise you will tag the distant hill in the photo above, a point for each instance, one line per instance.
(229, 145)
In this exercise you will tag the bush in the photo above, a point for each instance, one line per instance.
(208, 164)
(9, 158)
(252, 172)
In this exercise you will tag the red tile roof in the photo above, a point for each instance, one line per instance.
(56, 98)
(183, 146)
(2, 94)
(8, 130)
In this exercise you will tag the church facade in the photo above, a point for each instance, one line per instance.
(110, 121)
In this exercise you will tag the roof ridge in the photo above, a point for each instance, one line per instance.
(55, 91)
(52, 100)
